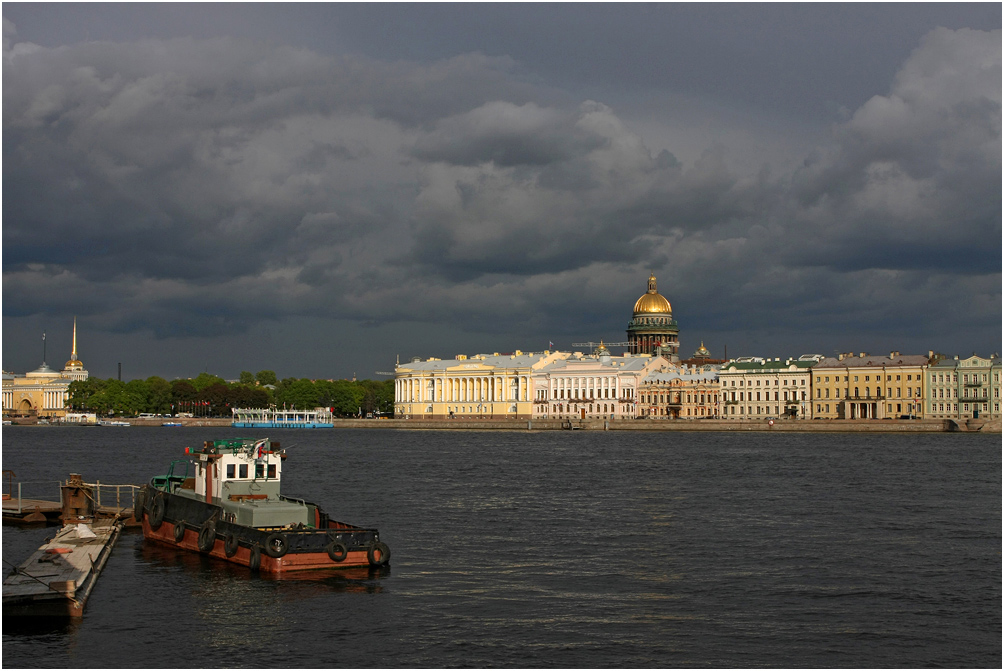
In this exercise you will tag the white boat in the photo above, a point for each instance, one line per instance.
(273, 418)
(113, 422)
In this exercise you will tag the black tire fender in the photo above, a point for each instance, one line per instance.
(179, 531)
(337, 551)
(138, 504)
(276, 545)
(254, 561)
(230, 544)
(207, 536)
(378, 554)
(157, 509)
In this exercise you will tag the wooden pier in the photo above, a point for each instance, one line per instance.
(109, 500)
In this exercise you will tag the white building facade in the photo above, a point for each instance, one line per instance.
(483, 386)
(596, 386)
(763, 388)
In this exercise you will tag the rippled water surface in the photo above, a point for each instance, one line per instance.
(561, 549)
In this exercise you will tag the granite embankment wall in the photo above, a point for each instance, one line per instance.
(813, 426)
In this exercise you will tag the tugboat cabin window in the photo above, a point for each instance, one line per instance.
(259, 471)
(244, 471)
(231, 471)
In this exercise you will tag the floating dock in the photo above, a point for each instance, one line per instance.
(57, 579)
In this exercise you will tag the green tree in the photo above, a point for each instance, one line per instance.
(379, 396)
(301, 394)
(346, 398)
(82, 393)
(244, 396)
(158, 395)
(267, 377)
(183, 396)
(206, 379)
(247, 377)
(216, 395)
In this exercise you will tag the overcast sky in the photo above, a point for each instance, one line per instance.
(319, 189)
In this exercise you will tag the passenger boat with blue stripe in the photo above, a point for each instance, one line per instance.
(224, 501)
(273, 418)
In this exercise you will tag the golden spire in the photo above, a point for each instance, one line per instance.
(74, 363)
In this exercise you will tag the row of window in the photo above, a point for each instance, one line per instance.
(241, 473)
(766, 383)
(825, 393)
(878, 378)
(574, 393)
(954, 407)
(766, 396)
(823, 408)
(967, 393)
(954, 377)
(748, 410)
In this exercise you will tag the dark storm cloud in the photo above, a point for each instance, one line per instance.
(203, 186)
(914, 178)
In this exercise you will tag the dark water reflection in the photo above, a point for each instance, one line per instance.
(574, 549)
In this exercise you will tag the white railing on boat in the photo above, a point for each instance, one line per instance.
(279, 417)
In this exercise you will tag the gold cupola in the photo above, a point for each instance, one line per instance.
(652, 330)
(652, 302)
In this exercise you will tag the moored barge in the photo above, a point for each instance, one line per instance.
(229, 506)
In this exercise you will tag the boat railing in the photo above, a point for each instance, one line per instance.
(36, 486)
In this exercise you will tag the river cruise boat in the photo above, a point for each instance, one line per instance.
(273, 418)
(224, 501)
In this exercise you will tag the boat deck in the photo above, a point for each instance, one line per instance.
(58, 577)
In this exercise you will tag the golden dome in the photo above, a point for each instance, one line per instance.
(73, 364)
(652, 302)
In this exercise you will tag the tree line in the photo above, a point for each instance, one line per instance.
(211, 396)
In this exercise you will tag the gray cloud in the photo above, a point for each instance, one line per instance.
(201, 187)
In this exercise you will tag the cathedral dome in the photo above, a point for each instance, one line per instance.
(652, 302)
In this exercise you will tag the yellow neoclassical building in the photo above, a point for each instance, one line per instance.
(482, 386)
(44, 392)
(869, 387)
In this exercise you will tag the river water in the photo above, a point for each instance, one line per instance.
(560, 549)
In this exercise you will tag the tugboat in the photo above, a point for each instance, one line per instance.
(229, 506)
